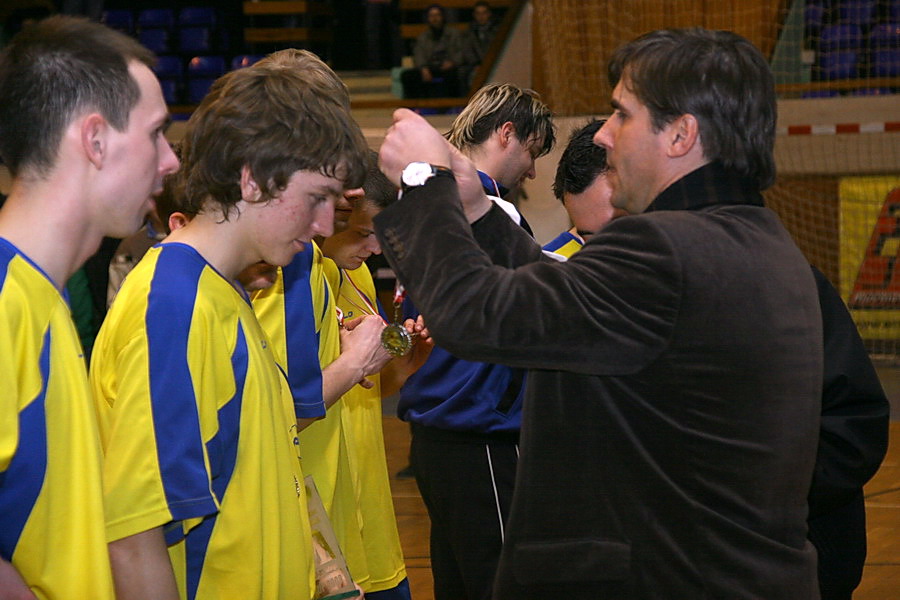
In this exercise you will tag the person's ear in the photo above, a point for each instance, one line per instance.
(249, 188)
(94, 132)
(683, 135)
(507, 133)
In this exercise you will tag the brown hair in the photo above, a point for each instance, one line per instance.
(274, 120)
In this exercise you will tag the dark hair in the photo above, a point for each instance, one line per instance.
(498, 103)
(481, 3)
(378, 188)
(276, 122)
(581, 162)
(718, 77)
(167, 201)
(54, 70)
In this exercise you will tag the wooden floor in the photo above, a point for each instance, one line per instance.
(881, 579)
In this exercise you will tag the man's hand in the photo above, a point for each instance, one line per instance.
(426, 74)
(396, 372)
(410, 139)
(361, 345)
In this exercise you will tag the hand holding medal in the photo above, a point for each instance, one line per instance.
(394, 337)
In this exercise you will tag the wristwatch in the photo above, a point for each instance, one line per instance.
(417, 173)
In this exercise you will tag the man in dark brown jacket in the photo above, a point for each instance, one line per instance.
(671, 416)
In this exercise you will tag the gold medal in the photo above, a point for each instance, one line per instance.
(396, 340)
(394, 337)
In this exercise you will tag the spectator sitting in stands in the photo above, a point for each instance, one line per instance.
(436, 56)
(477, 41)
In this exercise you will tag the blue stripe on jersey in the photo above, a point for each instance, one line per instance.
(6, 256)
(23, 479)
(170, 305)
(304, 372)
(222, 450)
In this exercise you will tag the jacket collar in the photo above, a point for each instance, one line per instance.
(710, 184)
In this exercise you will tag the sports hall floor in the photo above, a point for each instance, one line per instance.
(881, 578)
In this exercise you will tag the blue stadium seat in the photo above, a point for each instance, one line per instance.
(872, 92)
(156, 18)
(206, 66)
(198, 88)
(886, 62)
(885, 35)
(843, 36)
(170, 70)
(202, 71)
(121, 20)
(156, 40)
(858, 12)
(244, 60)
(195, 40)
(838, 64)
(813, 17)
(821, 94)
(168, 66)
(197, 16)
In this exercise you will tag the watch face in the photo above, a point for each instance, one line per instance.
(416, 173)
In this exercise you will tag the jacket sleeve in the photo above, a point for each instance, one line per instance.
(855, 410)
(609, 310)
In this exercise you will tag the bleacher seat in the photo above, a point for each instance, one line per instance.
(244, 60)
(885, 35)
(821, 94)
(858, 12)
(202, 71)
(121, 20)
(156, 40)
(886, 62)
(195, 40)
(843, 36)
(813, 17)
(170, 70)
(197, 16)
(156, 18)
(872, 92)
(206, 66)
(838, 64)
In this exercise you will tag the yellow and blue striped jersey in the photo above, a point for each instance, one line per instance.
(50, 488)
(362, 417)
(323, 444)
(565, 244)
(199, 434)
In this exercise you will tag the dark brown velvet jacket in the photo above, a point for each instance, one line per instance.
(672, 407)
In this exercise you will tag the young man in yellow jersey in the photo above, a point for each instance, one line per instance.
(82, 123)
(204, 486)
(349, 277)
